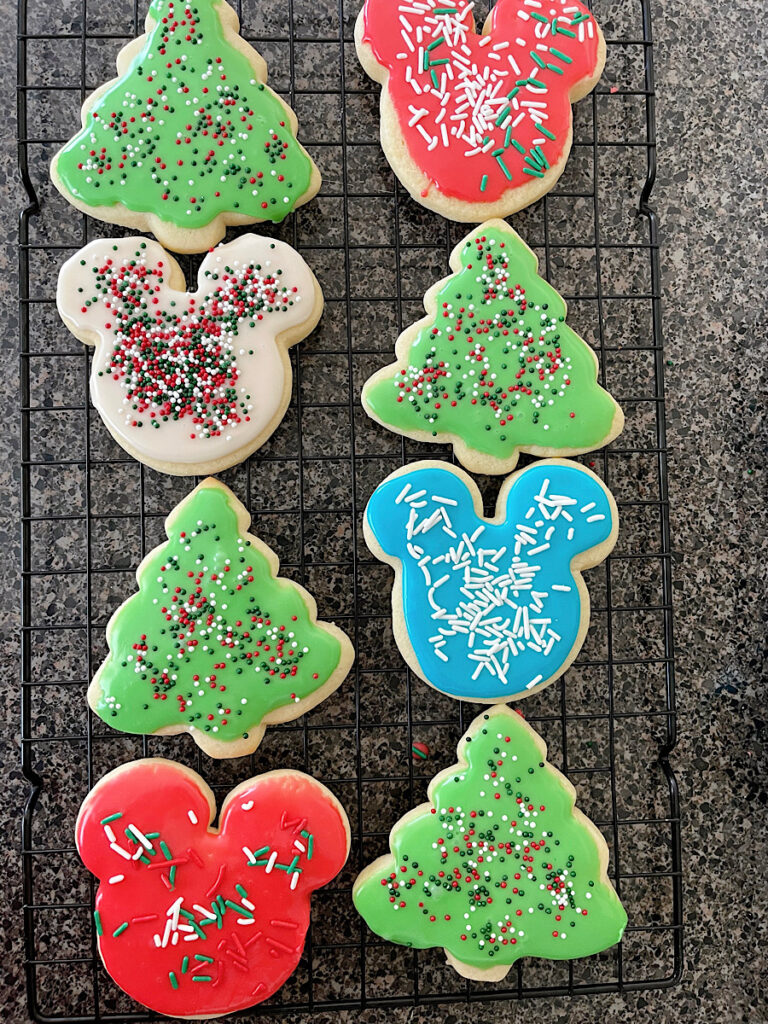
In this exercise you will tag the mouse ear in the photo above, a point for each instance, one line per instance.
(141, 809)
(89, 290)
(292, 819)
(390, 33)
(407, 507)
(564, 499)
(566, 41)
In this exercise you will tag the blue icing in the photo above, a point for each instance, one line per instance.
(474, 593)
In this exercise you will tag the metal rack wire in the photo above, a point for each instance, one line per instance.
(89, 514)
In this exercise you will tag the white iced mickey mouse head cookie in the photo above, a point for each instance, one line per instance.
(190, 382)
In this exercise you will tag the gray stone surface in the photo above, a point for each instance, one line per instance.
(711, 79)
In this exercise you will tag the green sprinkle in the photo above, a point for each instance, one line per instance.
(311, 842)
(261, 849)
(545, 131)
(191, 918)
(518, 146)
(119, 930)
(483, 182)
(236, 906)
(502, 116)
(581, 16)
(555, 68)
(173, 979)
(567, 31)
(536, 83)
(536, 58)
(184, 965)
(304, 831)
(166, 851)
(562, 56)
(201, 977)
(498, 152)
(434, 78)
(532, 163)
(540, 17)
(172, 875)
(242, 890)
(540, 156)
(97, 920)
(203, 959)
(445, 10)
(112, 817)
(437, 42)
(511, 95)
(508, 135)
(503, 166)
(535, 173)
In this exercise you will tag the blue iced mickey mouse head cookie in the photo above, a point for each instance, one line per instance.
(491, 610)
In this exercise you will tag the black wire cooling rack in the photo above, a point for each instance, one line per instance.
(89, 514)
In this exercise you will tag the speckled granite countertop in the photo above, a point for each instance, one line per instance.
(711, 78)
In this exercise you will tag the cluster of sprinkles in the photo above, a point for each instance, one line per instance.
(213, 642)
(489, 348)
(492, 603)
(188, 132)
(495, 100)
(176, 361)
(497, 865)
(219, 902)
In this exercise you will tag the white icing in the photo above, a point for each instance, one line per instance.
(261, 374)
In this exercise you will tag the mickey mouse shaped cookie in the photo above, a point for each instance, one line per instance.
(190, 382)
(478, 126)
(490, 610)
(195, 921)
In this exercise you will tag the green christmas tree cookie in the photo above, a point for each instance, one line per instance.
(188, 138)
(498, 865)
(215, 643)
(494, 368)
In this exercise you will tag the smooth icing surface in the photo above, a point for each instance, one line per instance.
(498, 865)
(498, 366)
(491, 609)
(188, 132)
(187, 377)
(212, 641)
(191, 921)
(481, 114)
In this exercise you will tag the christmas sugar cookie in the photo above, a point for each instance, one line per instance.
(215, 643)
(478, 126)
(188, 139)
(494, 368)
(498, 864)
(194, 921)
(495, 609)
(190, 382)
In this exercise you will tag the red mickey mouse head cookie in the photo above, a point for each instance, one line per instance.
(197, 922)
(478, 125)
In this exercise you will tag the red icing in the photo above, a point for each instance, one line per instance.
(490, 77)
(249, 961)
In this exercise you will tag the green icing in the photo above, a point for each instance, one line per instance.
(497, 366)
(497, 862)
(212, 639)
(188, 132)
